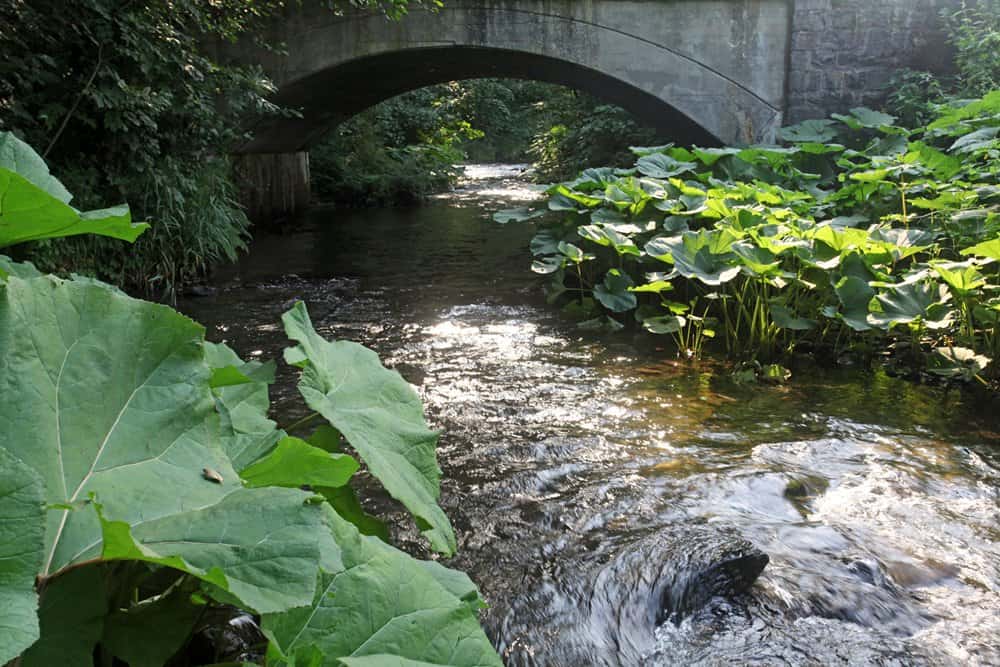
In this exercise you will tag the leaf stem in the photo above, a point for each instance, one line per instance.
(76, 102)
(301, 422)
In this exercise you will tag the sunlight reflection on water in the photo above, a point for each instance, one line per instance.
(877, 500)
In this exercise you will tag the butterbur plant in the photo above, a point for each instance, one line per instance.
(854, 235)
(142, 483)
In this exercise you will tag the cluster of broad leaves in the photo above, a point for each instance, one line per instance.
(142, 483)
(854, 232)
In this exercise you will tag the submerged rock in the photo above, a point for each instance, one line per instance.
(608, 615)
(667, 576)
(201, 291)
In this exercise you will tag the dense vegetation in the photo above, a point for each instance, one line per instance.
(142, 484)
(974, 33)
(858, 235)
(125, 101)
(867, 234)
(406, 148)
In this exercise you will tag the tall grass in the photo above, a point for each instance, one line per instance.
(196, 222)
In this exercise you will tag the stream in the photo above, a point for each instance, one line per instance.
(616, 505)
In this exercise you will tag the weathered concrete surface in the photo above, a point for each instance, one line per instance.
(702, 70)
(273, 186)
(844, 52)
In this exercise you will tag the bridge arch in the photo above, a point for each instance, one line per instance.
(704, 71)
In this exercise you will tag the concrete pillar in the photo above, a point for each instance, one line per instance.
(274, 187)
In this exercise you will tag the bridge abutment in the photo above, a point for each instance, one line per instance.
(274, 187)
(844, 53)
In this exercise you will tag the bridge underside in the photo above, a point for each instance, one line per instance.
(328, 97)
(699, 71)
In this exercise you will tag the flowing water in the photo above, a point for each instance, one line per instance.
(613, 503)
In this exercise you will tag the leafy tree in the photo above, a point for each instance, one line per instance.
(404, 148)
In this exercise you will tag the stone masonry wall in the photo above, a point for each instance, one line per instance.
(844, 52)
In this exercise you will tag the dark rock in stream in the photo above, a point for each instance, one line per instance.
(200, 291)
(608, 615)
(225, 634)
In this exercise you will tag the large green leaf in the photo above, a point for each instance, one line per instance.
(854, 295)
(864, 117)
(148, 634)
(941, 165)
(905, 303)
(962, 277)
(659, 165)
(988, 249)
(242, 400)
(545, 242)
(982, 139)
(958, 363)
(9, 267)
(22, 515)
(345, 501)
(72, 615)
(613, 292)
(811, 131)
(384, 661)
(380, 601)
(988, 105)
(703, 255)
(784, 318)
(260, 545)
(108, 397)
(34, 205)
(295, 462)
(381, 416)
(19, 157)
(664, 324)
(520, 214)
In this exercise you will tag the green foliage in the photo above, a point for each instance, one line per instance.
(379, 413)
(144, 484)
(857, 235)
(913, 96)
(129, 103)
(356, 168)
(196, 227)
(974, 31)
(397, 152)
(36, 205)
(22, 498)
(198, 223)
(125, 100)
(404, 149)
(581, 132)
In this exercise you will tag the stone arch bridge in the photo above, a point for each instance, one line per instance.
(701, 71)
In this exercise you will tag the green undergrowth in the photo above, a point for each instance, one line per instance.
(143, 485)
(856, 236)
